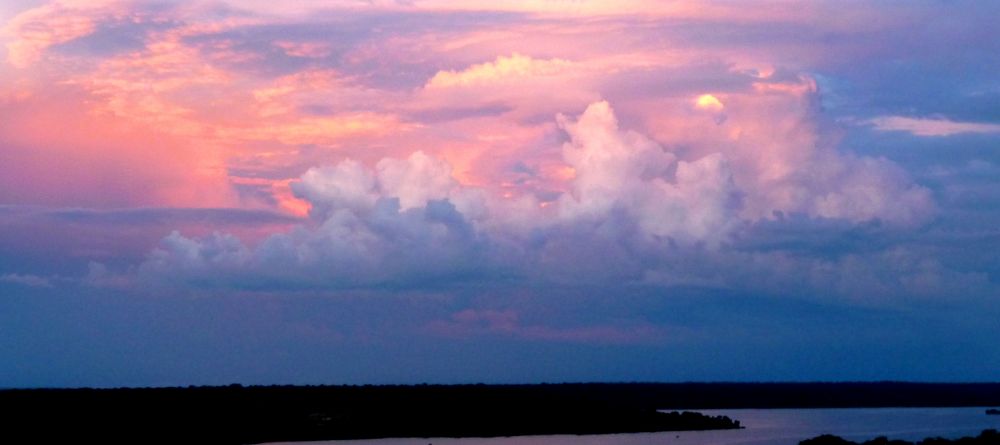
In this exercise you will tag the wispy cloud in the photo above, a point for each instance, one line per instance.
(933, 127)
(504, 67)
(26, 280)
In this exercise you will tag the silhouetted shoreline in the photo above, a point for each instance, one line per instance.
(987, 437)
(236, 414)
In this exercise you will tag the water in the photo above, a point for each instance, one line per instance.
(765, 427)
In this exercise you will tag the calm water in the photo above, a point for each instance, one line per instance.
(767, 427)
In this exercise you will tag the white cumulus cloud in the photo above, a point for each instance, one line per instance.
(633, 210)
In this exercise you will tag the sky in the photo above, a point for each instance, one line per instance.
(352, 192)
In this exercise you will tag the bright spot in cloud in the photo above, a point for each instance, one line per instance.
(709, 102)
(516, 65)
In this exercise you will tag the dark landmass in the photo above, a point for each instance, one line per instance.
(987, 437)
(236, 414)
(993, 412)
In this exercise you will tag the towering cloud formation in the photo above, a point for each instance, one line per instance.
(626, 171)
(786, 156)
(410, 221)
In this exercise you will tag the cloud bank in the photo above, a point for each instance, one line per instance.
(632, 210)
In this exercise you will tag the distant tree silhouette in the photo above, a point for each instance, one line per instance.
(827, 439)
(987, 437)
(237, 414)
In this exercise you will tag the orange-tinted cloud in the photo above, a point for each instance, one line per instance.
(56, 155)
(504, 67)
(32, 32)
(688, 135)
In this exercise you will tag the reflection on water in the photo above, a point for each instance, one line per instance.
(766, 427)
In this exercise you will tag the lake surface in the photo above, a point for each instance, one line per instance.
(765, 427)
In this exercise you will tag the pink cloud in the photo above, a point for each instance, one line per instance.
(409, 217)
(55, 155)
(661, 137)
(304, 49)
(784, 158)
(33, 31)
(504, 67)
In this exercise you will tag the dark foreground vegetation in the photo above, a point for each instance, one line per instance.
(987, 437)
(236, 414)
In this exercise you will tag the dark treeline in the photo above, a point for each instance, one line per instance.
(987, 437)
(237, 414)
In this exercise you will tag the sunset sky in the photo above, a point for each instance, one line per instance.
(209, 192)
